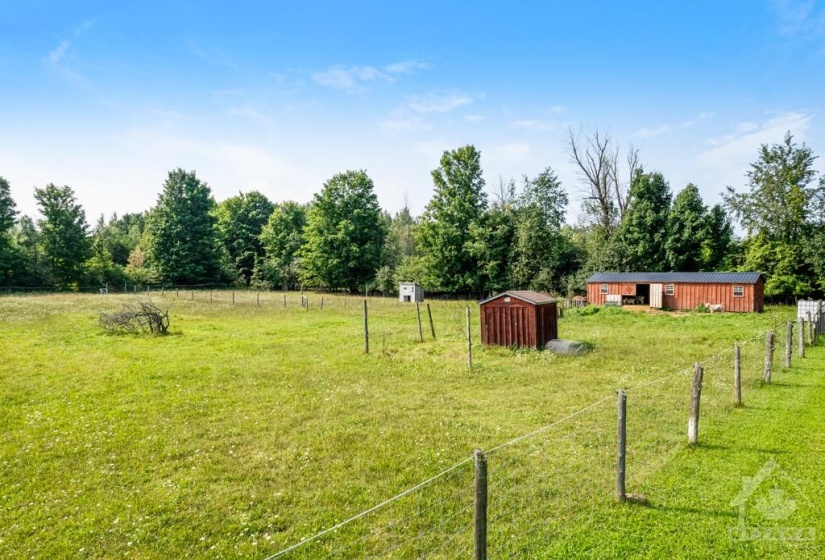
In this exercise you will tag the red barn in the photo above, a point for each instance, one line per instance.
(518, 318)
(742, 292)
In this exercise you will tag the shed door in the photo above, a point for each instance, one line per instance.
(656, 296)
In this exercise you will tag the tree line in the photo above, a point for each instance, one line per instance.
(463, 243)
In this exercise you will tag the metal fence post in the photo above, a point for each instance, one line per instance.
(621, 447)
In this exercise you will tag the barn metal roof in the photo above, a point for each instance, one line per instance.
(529, 296)
(678, 277)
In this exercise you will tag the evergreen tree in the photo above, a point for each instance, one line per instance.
(63, 233)
(9, 257)
(180, 233)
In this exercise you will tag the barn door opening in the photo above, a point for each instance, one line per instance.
(656, 296)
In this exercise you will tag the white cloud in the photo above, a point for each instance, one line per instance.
(195, 49)
(535, 124)
(249, 112)
(665, 128)
(730, 155)
(508, 153)
(406, 67)
(436, 103)
(799, 18)
(556, 110)
(355, 78)
(404, 124)
(349, 78)
(56, 56)
(475, 118)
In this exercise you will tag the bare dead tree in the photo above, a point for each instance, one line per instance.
(142, 316)
(594, 158)
(597, 157)
(621, 188)
(505, 191)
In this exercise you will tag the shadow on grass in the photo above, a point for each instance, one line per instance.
(746, 449)
(695, 511)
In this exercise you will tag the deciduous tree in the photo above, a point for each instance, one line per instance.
(445, 234)
(240, 220)
(779, 214)
(344, 235)
(687, 224)
(281, 238)
(542, 256)
(643, 233)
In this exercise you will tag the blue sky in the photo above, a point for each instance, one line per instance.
(107, 97)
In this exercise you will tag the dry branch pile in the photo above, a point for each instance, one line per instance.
(142, 316)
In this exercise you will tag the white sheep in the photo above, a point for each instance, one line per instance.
(715, 308)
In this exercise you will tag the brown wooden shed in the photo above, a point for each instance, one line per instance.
(519, 318)
(742, 292)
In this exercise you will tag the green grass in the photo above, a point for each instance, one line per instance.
(252, 427)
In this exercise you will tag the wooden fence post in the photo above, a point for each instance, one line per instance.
(800, 337)
(695, 397)
(366, 330)
(621, 446)
(418, 314)
(211, 295)
(192, 295)
(788, 343)
(737, 376)
(233, 297)
(177, 292)
(322, 302)
(469, 341)
(284, 300)
(432, 326)
(480, 517)
(258, 297)
(768, 357)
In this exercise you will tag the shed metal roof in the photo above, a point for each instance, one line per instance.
(529, 296)
(678, 277)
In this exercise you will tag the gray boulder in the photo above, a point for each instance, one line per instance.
(568, 347)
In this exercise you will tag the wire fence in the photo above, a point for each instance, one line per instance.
(543, 486)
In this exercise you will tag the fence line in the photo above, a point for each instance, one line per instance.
(510, 470)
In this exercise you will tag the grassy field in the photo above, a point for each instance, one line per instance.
(250, 428)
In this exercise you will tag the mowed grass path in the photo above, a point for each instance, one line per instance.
(250, 428)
